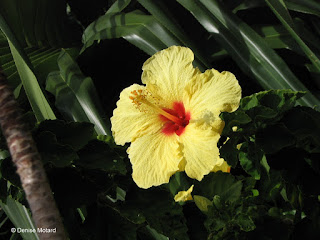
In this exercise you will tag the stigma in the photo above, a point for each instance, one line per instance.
(174, 119)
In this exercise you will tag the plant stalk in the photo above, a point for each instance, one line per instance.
(27, 159)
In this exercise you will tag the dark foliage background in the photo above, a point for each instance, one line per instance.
(85, 52)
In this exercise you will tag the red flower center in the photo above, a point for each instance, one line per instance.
(175, 120)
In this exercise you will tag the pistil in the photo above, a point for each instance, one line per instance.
(175, 120)
(139, 98)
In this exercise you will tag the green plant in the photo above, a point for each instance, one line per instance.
(68, 91)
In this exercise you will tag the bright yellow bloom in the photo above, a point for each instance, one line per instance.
(173, 122)
(183, 196)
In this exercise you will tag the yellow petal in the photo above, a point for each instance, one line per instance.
(167, 72)
(200, 151)
(183, 196)
(213, 92)
(129, 122)
(154, 158)
(224, 167)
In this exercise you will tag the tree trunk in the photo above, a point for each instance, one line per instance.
(29, 166)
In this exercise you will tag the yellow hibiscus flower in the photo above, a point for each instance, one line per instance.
(173, 121)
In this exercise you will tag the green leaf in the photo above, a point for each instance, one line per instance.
(245, 223)
(160, 211)
(38, 102)
(39, 23)
(76, 96)
(280, 10)
(9, 172)
(304, 124)
(43, 60)
(250, 158)
(99, 155)
(20, 217)
(237, 118)
(58, 141)
(274, 137)
(229, 151)
(72, 189)
(304, 6)
(159, 11)
(155, 234)
(37, 29)
(118, 6)
(223, 184)
(74, 134)
(142, 30)
(178, 182)
(246, 47)
(35, 95)
(277, 37)
(202, 203)
(54, 152)
(269, 104)
(3, 189)
(254, 113)
(271, 185)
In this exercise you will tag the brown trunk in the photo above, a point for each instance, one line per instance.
(29, 166)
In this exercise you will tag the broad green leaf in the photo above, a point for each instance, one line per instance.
(245, 222)
(246, 47)
(4, 27)
(310, 38)
(76, 96)
(53, 152)
(140, 29)
(304, 6)
(43, 60)
(280, 10)
(255, 111)
(178, 182)
(277, 37)
(155, 234)
(268, 104)
(202, 202)
(237, 118)
(118, 6)
(3, 189)
(74, 134)
(20, 217)
(99, 155)
(36, 28)
(72, 189)
(223, 184)
(9, 172)
(304, 124)
(159, 11)
(248, 4)
(58, 141)
(35, 95)
(38, 102)
(229, 151)
(160, 211)
(250, 157)
(37, 23)
(274, 137)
